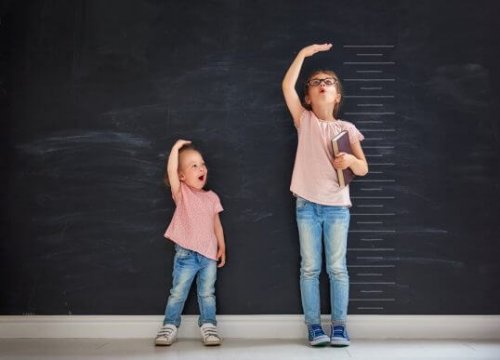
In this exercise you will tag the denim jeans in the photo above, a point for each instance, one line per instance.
(188, 265)
(322, 225)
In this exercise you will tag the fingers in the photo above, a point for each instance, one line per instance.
(315, 48)
(180, 143)
(339, 162)
(222, 260)
(325, 46)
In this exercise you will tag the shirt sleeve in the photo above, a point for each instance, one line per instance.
(217, 205)
(305, 116)
(354, 134)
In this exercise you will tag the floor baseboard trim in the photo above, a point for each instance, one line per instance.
(252, 326)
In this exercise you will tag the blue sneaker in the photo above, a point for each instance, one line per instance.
(339, 336)
(317, 336)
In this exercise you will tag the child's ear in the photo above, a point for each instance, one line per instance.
(181, 176)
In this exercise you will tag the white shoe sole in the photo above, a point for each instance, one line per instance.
(321, 341)
(212, 343)
(160, 342)
(340, 342)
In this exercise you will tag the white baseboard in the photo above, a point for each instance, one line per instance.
(253, 326)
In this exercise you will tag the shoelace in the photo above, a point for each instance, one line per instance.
(339, 331)
(165, 332)
(210, 331)
(316, 331)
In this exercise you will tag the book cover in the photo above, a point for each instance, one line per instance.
(341, 144)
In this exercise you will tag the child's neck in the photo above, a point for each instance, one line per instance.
(323, 113)
(192, 187)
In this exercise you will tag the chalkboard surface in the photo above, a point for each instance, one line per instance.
(94, 94)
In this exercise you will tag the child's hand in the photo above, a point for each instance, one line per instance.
(315, 48)
(343, 161)
(221, 257)
(180, 143)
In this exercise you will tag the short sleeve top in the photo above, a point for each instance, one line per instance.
(314, 177)
(193, 222)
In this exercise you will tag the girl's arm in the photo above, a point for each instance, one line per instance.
(221, 245)
(357, 161)
(173, 169)
(290, 80)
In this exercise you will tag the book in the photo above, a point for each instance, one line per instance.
(340, 144)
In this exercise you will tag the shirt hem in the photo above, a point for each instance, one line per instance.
(190, 248)
(349, 205)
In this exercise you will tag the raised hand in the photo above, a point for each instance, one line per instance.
(180, 143)
(315, 48)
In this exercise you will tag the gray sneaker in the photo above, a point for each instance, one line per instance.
(209, 335)
(166, 336)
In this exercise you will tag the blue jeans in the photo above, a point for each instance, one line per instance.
(322, 225)
(188, 265)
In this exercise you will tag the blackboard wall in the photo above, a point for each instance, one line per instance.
(94, 93)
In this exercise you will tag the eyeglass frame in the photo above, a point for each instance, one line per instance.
(334, 82)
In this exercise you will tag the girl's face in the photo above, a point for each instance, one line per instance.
(192, 169)
(322, 90)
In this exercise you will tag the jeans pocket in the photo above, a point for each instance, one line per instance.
(300, 203)
(181, 252)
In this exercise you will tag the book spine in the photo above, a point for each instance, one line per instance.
(340, 172)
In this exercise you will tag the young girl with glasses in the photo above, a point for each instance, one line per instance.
(322, 206)
(197, 232)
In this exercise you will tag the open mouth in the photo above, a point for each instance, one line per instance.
(201, 178)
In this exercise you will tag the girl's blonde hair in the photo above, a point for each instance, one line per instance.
(184, 148)
(338, 85)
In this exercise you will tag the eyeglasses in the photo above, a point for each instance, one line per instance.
(326, 81)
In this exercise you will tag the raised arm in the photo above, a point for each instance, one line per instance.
(173, 169)
(292, 99)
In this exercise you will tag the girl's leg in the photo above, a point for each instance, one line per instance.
(309, 227)
(185, 269)
(336, 227)
(205, 283)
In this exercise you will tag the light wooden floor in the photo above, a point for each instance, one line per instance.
(139, 349)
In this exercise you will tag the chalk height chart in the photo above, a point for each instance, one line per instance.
(370, 95)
